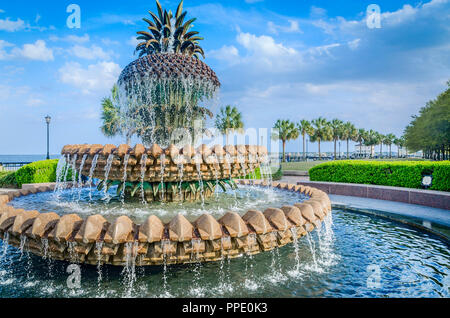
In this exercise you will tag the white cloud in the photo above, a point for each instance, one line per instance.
(11, 25)
(34, 102)
(90, 53)
(293, 27)
(3, 54)
(98, 77)
(229, 54)
(264, 45)
(353, 45)
(37, 51)
(72, 38)
(253, 1)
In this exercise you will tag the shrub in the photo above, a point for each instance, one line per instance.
(8, 179)
(406, 174)
(37, 172)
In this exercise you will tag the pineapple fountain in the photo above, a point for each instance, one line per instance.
(158, 96)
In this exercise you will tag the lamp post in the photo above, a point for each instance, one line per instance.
(47, 120)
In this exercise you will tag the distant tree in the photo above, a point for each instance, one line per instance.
(371, 139)
(389, 140)
(429, 131)
(379, 141)
(349, 132)
(336, 126)
(322, 132)
(229, 120)
(111, 125)
(304, 127)
(400, 143)
(285, 131)
(360, 136)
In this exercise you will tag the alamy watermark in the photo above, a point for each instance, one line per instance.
(373, 16)
(74, 19)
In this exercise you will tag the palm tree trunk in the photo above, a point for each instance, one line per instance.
(347, 147)
(304, 152)
(226, 139)
(284, 153)
(360, 148)
(381, 150)
(335, 149)
(390, 154)
(320, 154)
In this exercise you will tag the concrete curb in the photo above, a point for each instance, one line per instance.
(434, 199)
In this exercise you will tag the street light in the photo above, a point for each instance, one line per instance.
(47, 120)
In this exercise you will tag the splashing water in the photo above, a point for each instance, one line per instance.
(163, 169)
(143, 169)
(108, 166)
(124, 179)
(91, 173)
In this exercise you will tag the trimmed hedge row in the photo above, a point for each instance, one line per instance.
(407, 174)
(37, 172)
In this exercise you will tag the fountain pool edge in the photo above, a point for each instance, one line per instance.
(95, 241)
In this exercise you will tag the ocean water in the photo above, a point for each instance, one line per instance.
(25, 158)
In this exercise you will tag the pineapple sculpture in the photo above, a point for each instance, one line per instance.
(167, 86)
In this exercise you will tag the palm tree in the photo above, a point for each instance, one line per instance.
(400, 143)
(304, 127)
(379, 141)
(349, 132)
(322, 132)
(110, 115)
(169, 34)
(360, 136)
(388, 140)
(285, 130)
(229, 120)
(371, 139)
(336, 132)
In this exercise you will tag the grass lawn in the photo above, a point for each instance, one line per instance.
(305, 166)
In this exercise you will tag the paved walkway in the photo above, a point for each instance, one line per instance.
(418, 212)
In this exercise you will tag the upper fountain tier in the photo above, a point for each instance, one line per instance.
(169, 66)
(203, 163)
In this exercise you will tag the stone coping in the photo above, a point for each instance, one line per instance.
(96, 241)
(173, 164)
(431, 198)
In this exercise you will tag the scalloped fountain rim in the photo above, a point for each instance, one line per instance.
(96, 241)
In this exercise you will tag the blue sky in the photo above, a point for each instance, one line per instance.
(290, 59)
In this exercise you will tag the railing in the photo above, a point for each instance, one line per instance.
(12, 166)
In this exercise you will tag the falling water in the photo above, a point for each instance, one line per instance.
(124, 180)
(74, 172)
(98, 248)
(129, 270)
(107, 170)
(91, 173)
(163, 169)
(296, 270)
(143, 169)
(44, 247)
(197, 160)
(23, 241)
(59, 174)
(180, 173)
(5, 245)
(80, 182)
(312, 249)
(66, 172)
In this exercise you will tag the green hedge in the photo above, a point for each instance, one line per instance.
(37, 172)
(406, 174)
(275, 176)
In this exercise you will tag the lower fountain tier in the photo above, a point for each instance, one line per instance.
(187, 191)
(96, 241)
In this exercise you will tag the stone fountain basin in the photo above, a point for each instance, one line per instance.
(96, 241)
(208, 163)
